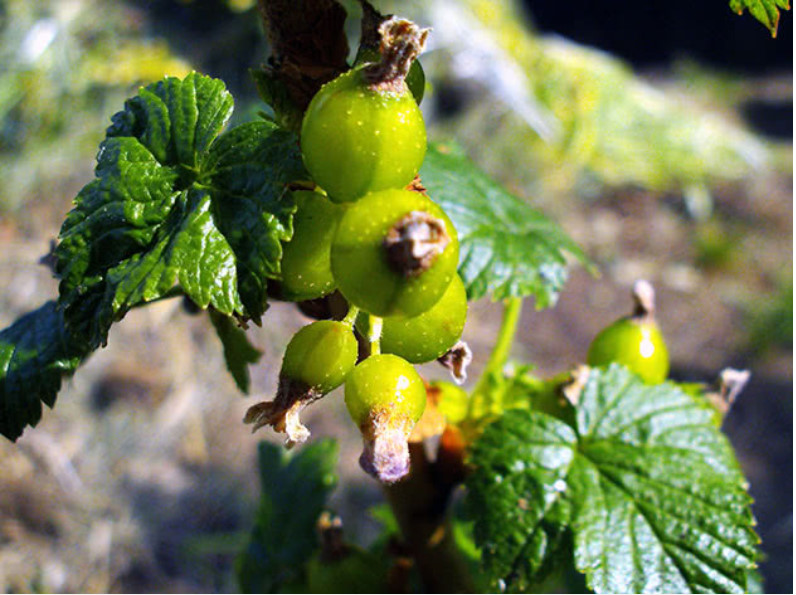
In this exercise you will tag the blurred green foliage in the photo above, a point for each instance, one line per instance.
(563, 117)
(64, 68)
(771, 320)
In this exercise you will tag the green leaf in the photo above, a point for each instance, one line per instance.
(295, 487)
(765, 11)
(175, 205)
(36, 352)
(516, 494)
(647, 484)
(238, 352)
(507, 248)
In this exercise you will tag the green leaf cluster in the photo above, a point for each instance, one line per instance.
(179, 208)
(641, 482)
(176, 207)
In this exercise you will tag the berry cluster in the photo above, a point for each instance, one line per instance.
(389, 250)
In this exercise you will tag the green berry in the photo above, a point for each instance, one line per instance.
(384, 384)
(356, 138)
(427, 336)
(634, 341)
(381, 266)
(385, 397)
(320, 356)
(306, 267)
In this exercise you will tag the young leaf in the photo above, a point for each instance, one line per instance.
(507, 247)
(294, 492)
(238, 352)
(645, 481)
(36, 352)
(174, 205)
(765, 11)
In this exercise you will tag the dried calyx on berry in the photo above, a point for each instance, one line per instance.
(414, 242)
(317, 360)
(385, 397)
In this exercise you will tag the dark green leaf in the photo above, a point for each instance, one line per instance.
(275, 93)
(294, 492)
(245, 172)
(36, 352)
(765, 11)
(238, 352)
(645, 481)
(172, 205)
(507, 247)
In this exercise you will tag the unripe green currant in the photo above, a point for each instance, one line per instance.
(320, 355)
(306, 266)
(363, 131)
(317, 360)
(385, 397)
(425, 337)
(634, 341)
(394, 253)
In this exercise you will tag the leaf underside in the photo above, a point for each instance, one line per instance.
(36, 352)
(238, 352)
(765, 11)
(646, 483)
(508, 249)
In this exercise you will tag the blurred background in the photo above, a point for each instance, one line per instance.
(659, 135)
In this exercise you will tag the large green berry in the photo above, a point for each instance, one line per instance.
(320, 355)
(634, 341)
(394, 253)
(357, 137)
(427, 336)
(306, 267)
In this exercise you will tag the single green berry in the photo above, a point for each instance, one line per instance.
(394, 253)
(634, 341)
(317, 360)
(363, 131)
(429, 335)
(320, 356)
(385, 397)
(306, 266)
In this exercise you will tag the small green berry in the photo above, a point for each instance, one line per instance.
(427, 336)
(320, 355)
(306, 265)
(634, 341)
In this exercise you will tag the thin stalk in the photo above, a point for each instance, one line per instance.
(374, 336)
(351, 316)
(512, 308)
